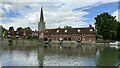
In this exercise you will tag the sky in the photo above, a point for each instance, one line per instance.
(57, 13)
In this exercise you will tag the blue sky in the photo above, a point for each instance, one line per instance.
(57, 14)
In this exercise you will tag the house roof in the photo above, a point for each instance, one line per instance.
(86, 30)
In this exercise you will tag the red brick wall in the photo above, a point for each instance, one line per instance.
(83, 37)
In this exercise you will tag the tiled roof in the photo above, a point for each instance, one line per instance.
(70, 30)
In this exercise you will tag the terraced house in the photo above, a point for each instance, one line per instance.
(87, 34)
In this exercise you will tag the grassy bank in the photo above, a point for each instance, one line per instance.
(102, 41)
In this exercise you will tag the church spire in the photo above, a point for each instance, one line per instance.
(41, 23)
(41, 16)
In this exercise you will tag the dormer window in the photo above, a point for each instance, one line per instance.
(17, 33)
(78, 30)
(57, 31)
(8, 32)
(42, 34)
(65, 30)
(91, 30)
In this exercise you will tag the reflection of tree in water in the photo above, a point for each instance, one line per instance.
(107, 57)
(70, 51)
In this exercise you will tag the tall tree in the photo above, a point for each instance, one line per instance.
(11, 28)
(106, 26)
(19, 29)
(118, 32)
(67, 26)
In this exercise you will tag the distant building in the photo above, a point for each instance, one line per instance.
(69, 34)
(19, 33)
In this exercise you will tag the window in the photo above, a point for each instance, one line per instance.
(57, 31)
(65, 38)
(65, 30)
(17, 33)
(83, 35)
(91, 30)
(8, 32)
(78, 30)
(89, 39)
(8, 35)
(69, 39)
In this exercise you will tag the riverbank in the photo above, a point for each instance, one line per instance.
(19, 42)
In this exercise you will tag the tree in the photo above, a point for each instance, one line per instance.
(118, 32)
(67, 26)
(12, 33)
(11, 28)
(106, 26)
(19, 29)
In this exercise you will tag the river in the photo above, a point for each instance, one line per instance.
(85, 55)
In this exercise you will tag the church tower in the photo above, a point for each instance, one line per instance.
(41, 23)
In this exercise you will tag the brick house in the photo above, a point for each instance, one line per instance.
(71, 34)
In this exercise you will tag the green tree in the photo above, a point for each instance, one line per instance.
(67, 26)
(118, 32)
(106, 26)
(11, 28)
(19, 29)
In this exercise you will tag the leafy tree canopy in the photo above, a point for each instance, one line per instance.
(11, 28)
(106, 26)
(67, 26)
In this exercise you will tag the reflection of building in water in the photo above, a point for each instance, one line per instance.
(69, 34)
(66, 56)
(40, 56)
(85, 51)
(74, 51)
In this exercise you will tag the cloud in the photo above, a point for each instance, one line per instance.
(63, 18)
(30, 19)
(115, 13)
(59, 0)
(57, 14)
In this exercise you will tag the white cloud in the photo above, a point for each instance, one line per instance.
(115, 13)
(63, 18)
(30, 20)
(59, 0)
(56, 15)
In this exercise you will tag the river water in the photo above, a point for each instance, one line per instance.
(86, 55)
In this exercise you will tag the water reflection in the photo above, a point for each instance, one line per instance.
(82, 56)
(59, 56)
(107, 56)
